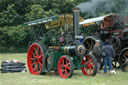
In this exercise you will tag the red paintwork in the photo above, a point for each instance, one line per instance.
(35, 59)
(64, 67)
(89, 70)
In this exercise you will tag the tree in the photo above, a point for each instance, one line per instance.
(9, 17)
(37, 12)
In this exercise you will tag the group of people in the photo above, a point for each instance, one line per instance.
(107, 52)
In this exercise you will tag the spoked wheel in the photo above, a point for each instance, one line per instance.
(35, 59)
(123, 60)
(65, 67)
(90, 65)
(89, 43)
(116, 43)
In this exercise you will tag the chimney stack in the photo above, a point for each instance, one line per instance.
(76, 12)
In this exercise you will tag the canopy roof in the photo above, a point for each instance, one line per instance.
(41, 21)
(54, 21)
(107, 20)
(97, 19)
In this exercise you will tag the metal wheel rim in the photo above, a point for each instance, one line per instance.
(35, 59)
(64, 67)
(89, 43)
(124, 61)
(89, 70)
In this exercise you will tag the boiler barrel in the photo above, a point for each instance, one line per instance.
(78, 50)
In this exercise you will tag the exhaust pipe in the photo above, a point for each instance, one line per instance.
(76, 12)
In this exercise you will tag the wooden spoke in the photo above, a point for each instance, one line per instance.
(123, 59)
(124, 63)
(126, 53)
(124, 56)
(88, 44)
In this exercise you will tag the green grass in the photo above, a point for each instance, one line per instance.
(121, 78)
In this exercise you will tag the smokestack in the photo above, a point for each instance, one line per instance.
(76, 12)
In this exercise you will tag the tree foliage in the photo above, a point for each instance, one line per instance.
(13, 13)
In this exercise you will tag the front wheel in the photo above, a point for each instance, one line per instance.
(65, 66)
(90, 65)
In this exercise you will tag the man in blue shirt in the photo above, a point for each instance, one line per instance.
(109, 53)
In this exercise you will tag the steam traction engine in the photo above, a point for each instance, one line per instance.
(61, 52)
(115, 28)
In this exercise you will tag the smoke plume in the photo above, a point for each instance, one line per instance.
(104, 6)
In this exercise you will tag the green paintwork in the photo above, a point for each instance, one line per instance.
(65, 49)
(56, 56)
(76, 61)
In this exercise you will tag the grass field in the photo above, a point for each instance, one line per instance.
(121, 78)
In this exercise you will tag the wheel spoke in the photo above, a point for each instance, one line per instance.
(67, 64)
(63, 62)
(40, 68)
(34, 68)
(34, 63)
(124, 56)
(93, 65)
(37, 51)
(87, 50)
(67, 61)
(33, 55)
(67, 67)
(88, 44)
(88, 61)
(127, 53)
(32, 58)
(124, 63)
(40, 63)
(39, 57)
(123, 59)
(90, 70)
(66, 73)
(37, 67)
(91, 44)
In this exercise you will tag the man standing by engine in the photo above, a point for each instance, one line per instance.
(108, 53)
(97, 53)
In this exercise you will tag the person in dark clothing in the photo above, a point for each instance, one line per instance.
(97, 53)
(108, 53)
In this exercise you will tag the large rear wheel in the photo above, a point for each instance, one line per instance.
(65, 67)
(89, 42)
(35, 58)
(90, 65)
(116, 43)
(123, 60)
